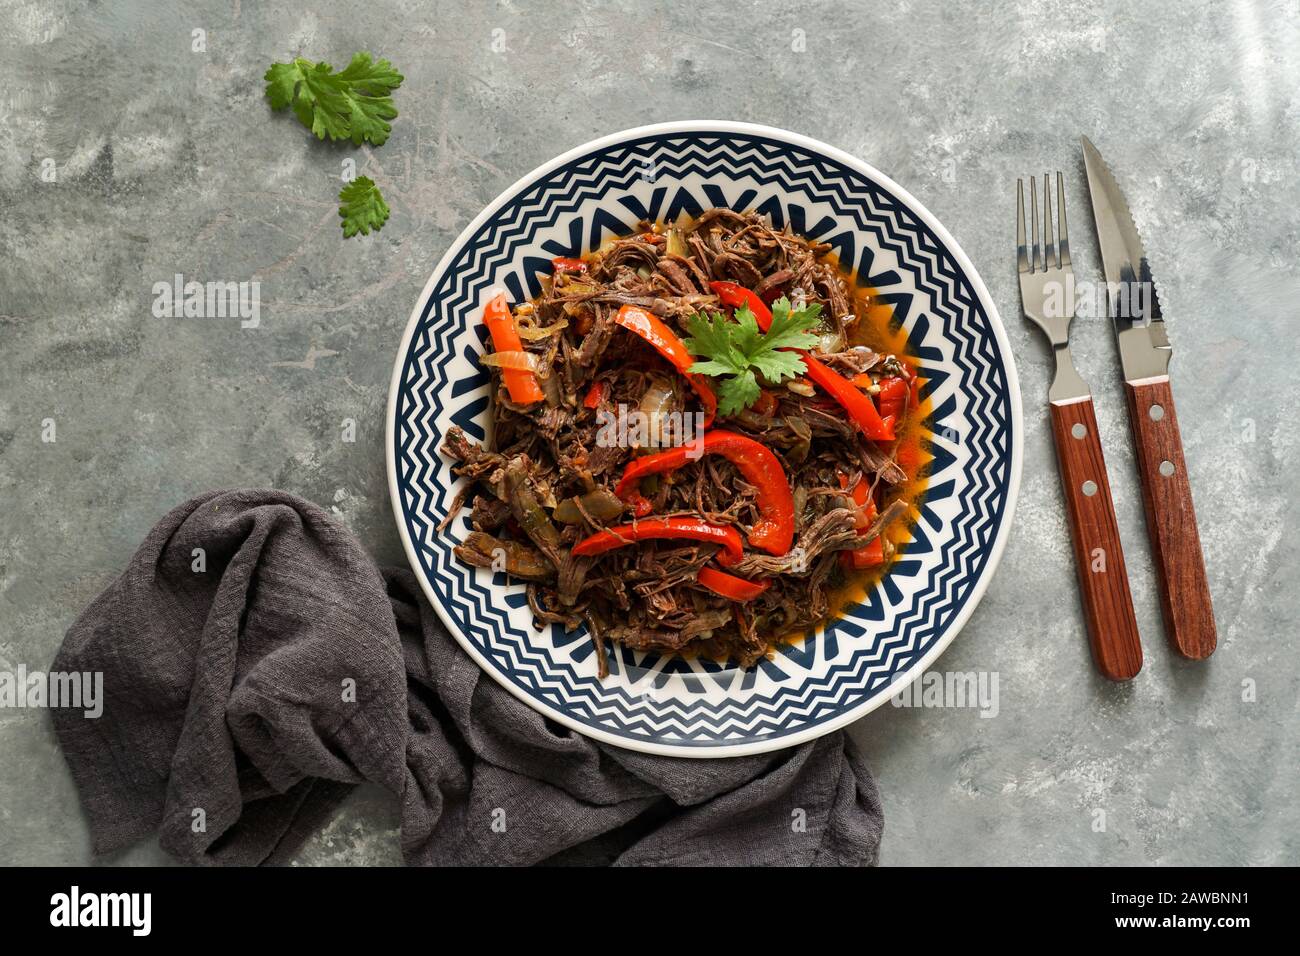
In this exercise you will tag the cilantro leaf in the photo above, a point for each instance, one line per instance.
(734, 350)
(713, 368)
(737, 393)
(747, 337)
(709, 336)
(281, 81)
(362, 207)
(790, 327)
(355, 103)
(775, 366)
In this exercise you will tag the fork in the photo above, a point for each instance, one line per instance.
(1047, 298)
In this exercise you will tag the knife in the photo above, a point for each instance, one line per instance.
(1144, 353)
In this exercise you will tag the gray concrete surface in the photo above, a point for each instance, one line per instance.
(166, 159)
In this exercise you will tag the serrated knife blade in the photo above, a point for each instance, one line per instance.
(1157, 443)
(1144, 347)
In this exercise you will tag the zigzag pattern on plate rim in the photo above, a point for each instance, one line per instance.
(923, 252)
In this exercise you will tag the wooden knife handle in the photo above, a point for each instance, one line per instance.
(1171, 519)
(1098, 555)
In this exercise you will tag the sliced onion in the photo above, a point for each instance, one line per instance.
(532, 333)
(798, 452)
(658, 401)
(676, 242)
(829, 343)
(801, 388)
(657, 398)
(800, 501)
(551, 386)
(524, 361)
(602, 504)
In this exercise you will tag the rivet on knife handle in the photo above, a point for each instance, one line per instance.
(1098, 555)
(1171, 519)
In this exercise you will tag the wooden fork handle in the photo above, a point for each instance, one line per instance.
(1098, 555)
(1171, 519)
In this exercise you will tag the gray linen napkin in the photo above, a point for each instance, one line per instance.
(257, 665)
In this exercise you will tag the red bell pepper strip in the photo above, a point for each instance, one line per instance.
(859, 406)
(873, 552)
(893, 395)
(641, 505)
(520, 382)
(766, 404)
(737, 295)
(861, 495)
(729, 586)
(566, 264)
(666, 343)
(774, 531)
(870, 555)
(693, 529)
(595, 394)
(861, 492)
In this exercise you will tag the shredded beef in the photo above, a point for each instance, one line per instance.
(648, 596)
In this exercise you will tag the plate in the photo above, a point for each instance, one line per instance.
(874, 648)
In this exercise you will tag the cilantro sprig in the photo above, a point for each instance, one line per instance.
(737, 352)
(362, 207)
(355, 103)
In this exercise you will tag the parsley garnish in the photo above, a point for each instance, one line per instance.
(739, 348)
(355, 103)
(362, 207)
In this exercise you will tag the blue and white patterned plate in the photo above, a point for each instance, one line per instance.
(702, 708)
